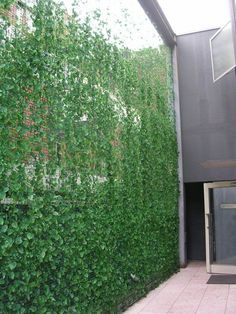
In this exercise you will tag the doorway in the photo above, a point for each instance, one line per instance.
(195, 224)
(220, 227)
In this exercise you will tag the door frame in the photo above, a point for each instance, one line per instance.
(210, 266)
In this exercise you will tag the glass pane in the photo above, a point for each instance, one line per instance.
(224, 212)
(223, 57)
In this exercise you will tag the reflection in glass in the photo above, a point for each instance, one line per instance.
(223, 57)
(224, 213)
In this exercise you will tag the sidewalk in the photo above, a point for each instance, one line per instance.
(187, 292)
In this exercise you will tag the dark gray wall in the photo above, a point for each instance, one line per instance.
(208, 113)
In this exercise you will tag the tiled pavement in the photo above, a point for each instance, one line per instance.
(187, 292)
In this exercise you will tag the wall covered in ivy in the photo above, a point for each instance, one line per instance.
(88, 168)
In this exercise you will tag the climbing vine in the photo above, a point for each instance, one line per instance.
(88, 168)
(5, 4)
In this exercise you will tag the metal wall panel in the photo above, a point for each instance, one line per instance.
(208, 113)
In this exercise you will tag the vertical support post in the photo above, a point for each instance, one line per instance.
(207, 226)
(232, 9)
(182, 231)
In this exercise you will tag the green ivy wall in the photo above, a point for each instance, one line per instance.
(88, 169)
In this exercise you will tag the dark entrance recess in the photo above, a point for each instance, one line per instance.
(195, 225)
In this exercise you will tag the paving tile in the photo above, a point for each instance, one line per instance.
(179, 281)
(195, 264)
(231, 302)
(148, 312)
(133, 310)
(189, 300)
(165, 299)
(200, 278)
(138, 306)
(214, 300)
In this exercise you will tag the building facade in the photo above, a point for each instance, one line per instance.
(205, 122)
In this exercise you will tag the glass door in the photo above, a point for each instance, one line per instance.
(220, 227)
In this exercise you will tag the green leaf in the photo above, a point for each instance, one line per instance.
(12, 275)
(29, 235)
(42, 254)
(4, 228)
(12, 265)
(18, 240)
(3, 192)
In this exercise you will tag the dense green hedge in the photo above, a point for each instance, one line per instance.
(88, 163)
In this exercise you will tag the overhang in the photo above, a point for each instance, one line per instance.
(159, 20)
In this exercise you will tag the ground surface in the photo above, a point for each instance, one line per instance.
(187, 292)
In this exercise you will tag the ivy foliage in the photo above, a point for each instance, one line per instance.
(5, 4)
(88, 168)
